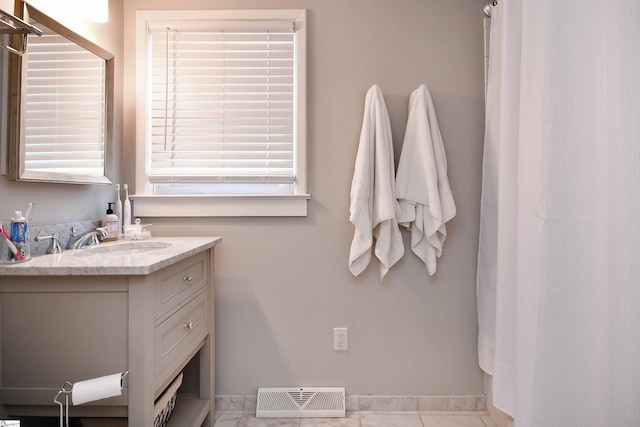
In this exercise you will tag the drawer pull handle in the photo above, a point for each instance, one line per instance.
(189, 326)
(187, 278)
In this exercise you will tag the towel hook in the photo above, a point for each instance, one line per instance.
(487, 5)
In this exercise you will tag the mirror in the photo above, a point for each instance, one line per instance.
(61, 107)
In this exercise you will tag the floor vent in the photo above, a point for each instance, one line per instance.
(300, 402)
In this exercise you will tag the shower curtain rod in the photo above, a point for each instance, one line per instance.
(487, 5)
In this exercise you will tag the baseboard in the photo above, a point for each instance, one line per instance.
(375, 403)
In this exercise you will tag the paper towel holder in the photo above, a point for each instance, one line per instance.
(66, 390)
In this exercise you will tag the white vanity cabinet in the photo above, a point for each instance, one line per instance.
(56, 328)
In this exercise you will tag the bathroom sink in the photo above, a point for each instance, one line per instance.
(122, 249)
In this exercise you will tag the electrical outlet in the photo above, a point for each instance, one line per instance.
(341, 339)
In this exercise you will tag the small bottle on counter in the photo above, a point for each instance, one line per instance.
(110, 223)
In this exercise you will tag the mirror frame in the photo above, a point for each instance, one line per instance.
(17, 170)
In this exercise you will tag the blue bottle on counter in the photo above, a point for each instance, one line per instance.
(19, 234)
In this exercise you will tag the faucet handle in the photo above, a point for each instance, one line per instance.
(103, 232)
(54, 247)
(99, 234)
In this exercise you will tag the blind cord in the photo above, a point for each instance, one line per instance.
(224, 97)
(268, 99)
(166, 86)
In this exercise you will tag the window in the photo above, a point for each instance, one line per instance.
(221, 113)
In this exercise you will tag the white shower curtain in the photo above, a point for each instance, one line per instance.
(559, 258)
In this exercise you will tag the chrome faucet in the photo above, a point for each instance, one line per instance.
(90, 238)
(54, 247)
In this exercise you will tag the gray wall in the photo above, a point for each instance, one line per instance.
(61, 203)
(283, 283)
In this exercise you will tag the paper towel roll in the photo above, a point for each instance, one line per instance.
(96, 389)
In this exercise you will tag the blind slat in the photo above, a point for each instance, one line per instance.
(64, 111)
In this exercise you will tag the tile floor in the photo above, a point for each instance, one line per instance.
(361, 419)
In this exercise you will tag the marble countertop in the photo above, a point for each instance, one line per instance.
(97, 260)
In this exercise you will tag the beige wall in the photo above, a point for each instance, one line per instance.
(283, 283)
(60, 203)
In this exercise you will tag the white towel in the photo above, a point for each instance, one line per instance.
(422, 185)
(374, 207)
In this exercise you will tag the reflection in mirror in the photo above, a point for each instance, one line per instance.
(62, 105)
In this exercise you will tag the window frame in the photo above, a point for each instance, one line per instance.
(147, 204)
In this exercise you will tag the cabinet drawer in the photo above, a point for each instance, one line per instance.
(180, 282)
(179, 336)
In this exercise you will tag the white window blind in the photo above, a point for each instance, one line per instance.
(222, 106)
(64, 112)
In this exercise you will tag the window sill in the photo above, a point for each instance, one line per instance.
(220, 206)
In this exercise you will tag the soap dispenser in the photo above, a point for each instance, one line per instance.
(110, 223)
